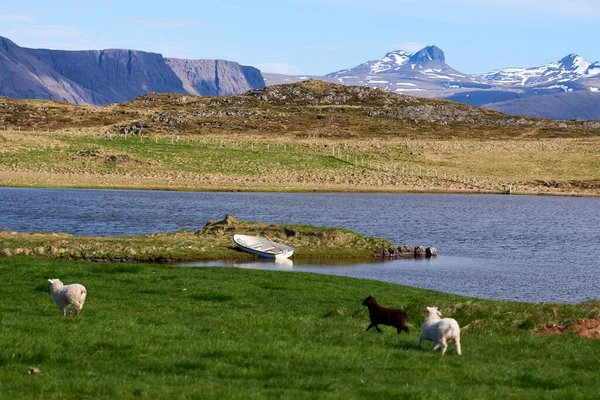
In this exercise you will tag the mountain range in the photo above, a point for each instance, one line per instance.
(100, 77)
(566, 89)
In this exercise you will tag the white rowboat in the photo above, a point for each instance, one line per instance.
(263, 247)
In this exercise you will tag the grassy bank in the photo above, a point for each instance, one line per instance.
(211, 242)
(156, 331)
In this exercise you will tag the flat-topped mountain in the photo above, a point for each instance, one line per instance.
(99, 77)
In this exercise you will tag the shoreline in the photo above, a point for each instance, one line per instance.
(301, 190)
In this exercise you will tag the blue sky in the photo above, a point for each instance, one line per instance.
(315, 37)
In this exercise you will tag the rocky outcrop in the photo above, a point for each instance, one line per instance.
(406, 252)
(100, 77)
(319, 92)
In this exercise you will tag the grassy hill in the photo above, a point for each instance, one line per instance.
(310, 135)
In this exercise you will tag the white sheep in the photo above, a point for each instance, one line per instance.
(66, 295)
(440, 331)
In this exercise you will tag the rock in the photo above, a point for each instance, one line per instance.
(420, 251)
(6, 253)
(431, 252)
(40, 251)
(406, 250)
(230, 220)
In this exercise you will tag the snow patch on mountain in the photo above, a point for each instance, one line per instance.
(390, 62)
(569, 68)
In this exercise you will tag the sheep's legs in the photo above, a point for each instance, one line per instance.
(457, 343)
(403, 328)
(373, 325)
(444, 344)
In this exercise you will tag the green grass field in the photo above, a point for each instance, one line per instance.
(156, 331)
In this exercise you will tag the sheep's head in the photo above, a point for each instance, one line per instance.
(433, 313)
(54, 283)
(368, 300)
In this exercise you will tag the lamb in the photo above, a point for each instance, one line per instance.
(386, 316)
(66, 295)
(440, 331)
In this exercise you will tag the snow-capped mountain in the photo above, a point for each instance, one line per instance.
(569, 68)
(426, 74)
(392, 61)
(403, 71)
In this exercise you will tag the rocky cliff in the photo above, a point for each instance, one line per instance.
(22, 75)
(99, 77)
(215, 77)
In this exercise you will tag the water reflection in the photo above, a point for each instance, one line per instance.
(474, 277)
(307, 264)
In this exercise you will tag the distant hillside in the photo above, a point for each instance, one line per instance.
(306, 109)
(99, 77)
(580, 104)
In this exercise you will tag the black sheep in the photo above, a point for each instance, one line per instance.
(385, 316)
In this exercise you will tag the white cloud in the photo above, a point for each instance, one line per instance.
(172, 50)
(52, 37)
(18, 18)
(277, 68)
(328, 47)
(408, 46)
(164, 23)
(579, 9)
(54, 32)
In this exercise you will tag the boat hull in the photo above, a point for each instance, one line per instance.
(263, 247)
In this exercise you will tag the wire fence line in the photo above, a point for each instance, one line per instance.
(352, 156)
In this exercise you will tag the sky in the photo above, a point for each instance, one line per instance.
(315, 37)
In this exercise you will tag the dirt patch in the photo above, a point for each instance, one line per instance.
(589, 328)
(111, 159)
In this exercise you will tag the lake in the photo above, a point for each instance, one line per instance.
(525, 248)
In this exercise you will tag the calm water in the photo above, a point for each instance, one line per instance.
(526, 248)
